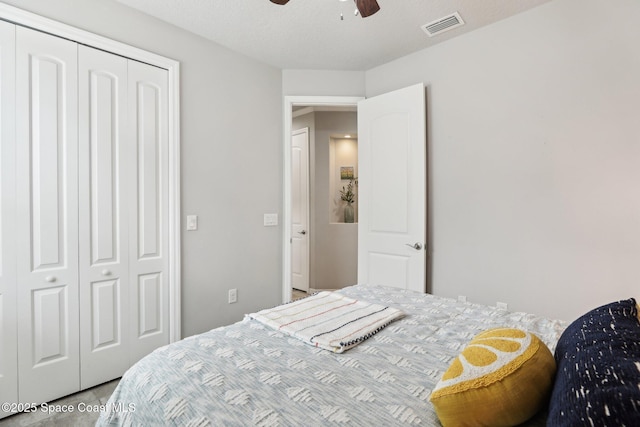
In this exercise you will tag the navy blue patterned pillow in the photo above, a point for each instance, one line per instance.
(598, 377)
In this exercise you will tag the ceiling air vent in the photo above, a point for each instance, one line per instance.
(443, 24)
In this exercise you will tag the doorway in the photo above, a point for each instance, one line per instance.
(392, 226)
(333, 230)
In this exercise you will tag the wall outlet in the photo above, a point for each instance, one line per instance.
(233, 296)
(462, 298)
(502, 305)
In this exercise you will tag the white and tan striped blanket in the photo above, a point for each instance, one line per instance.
(329, 320)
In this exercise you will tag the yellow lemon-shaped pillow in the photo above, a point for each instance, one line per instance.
(502, 378)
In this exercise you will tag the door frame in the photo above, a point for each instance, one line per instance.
(46, 25)
(289, 103)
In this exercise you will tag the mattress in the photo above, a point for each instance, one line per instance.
(248, 374)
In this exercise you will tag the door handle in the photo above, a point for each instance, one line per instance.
(303, 232)
(106, 272)
(417, 246)
(50, 279)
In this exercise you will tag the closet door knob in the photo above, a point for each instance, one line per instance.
(50, 279)
(106, 273)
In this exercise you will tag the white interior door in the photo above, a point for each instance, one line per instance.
(104, 171)
(148, 209)
(300, 209)
(8, 332)
(47, 215)
(392, 186)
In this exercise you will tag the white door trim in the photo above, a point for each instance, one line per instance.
(37, 22)
(289, 103)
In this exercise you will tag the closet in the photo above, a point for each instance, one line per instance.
(84, 214)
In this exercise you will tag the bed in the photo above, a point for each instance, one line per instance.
(249, 374)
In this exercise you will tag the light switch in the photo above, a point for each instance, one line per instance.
(192, 222)
(270, 220)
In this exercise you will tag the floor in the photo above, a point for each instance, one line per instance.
(80, 417)
(296, 294)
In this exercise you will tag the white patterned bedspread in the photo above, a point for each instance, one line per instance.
(246, 374)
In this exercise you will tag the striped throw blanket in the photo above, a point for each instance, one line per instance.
(328, 320)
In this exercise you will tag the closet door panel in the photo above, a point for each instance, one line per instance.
(48, 192)
(148, 223)
(8, 336)
(104, 164)
(150, 303)
(47, 215)
(148, 99)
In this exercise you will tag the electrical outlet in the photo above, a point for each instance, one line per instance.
(233, 296)
(502, 305)
(462, 298)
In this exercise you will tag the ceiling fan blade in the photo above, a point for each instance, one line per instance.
(366, 7)
(280, 2)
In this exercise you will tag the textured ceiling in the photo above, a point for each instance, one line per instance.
(308, 34)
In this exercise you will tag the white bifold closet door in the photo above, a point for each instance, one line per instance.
(91, 216)
(148, 208)
(104, 176)
(124, 299)
(47, 215)
(8, 336)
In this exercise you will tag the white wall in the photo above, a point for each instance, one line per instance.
(534, 156)
(231, 169)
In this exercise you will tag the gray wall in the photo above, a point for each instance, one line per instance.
(534, 149)
(533, 154)
(336, 245)
(231, 169)
(323, 83)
